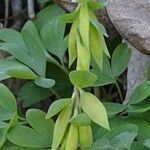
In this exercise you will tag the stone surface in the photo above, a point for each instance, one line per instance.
(132, 20)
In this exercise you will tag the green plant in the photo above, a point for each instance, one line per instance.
(81, 119)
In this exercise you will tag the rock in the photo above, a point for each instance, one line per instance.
(132, 20)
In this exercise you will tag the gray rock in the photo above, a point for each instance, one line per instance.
(132, 20)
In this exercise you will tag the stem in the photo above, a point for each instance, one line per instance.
(55, 93)
(119, 91)
(52, 60)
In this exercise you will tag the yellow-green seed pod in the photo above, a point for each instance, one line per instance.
(61, 126)
(85, 136)
(63, 144)
(84, 23)
(72, 140)
(83, 61)
(96, 46)
(95, 109)
(72, 43)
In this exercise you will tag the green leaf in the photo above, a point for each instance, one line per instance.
(94, 5)
(30, 93)
(120, 59)
(57, 106)
(99, 27)
(4, 114)
(9, 64)
(81, 120)
(78, 78)
(140, 93)
(124, 140)
(147, 143)
(39, 136)
(44, 82)
(3, 124)
(22, 72)
(104, 77)
(3, 134)
(53, 39)
(98, 114)
(95, 47)
(9, 35)
(139, 107)
(46, 14)
(19, 148)
(7, 100)
(114, 108)
(35, 48)
(44, 126)
(19, 52)
(27, 137)
(70, 17)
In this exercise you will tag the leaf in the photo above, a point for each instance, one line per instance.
(19, 53)
(7, 100)
(57, 106)
(72, 43)
(118, 125)
(84, 24)
(19, 148)
(30, 93)
(27, 137)
(22, 72)
(46, 14)
(61, 126)
(104, 77)
(94, 5)
(31, 137)
(95, 47)
(53, 39)
(140, 93)
(99, 27)
(8, 64)
(81, 120)
(9, 35)
(44, 126)
(78, 78)
(147, 143)
(124, 140)
(3, 133)
(72, 139)
(4, 114)
(139, 107)
(120, 59)
(44, 82)
(70, 17)
(98, 114)
(113, 108)
(35, 48)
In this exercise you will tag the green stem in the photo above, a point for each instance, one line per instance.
(119, 91)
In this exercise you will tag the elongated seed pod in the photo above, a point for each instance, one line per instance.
(61, 126)
(72, 139)
(85, 136)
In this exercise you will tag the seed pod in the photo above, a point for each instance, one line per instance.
(72, 139)
(95, 109)
(84, 24)
(95, 46)
(61, 126)
(85, 136)
(72, 43)
(83, 61)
